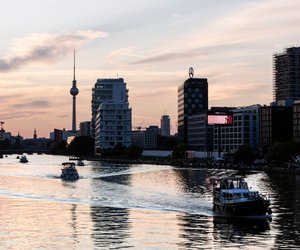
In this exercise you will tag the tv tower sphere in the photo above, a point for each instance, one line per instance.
(74, 90)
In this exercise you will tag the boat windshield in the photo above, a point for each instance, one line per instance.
(68, 165)
(230, 183)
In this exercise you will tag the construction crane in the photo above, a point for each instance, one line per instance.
(138, 128)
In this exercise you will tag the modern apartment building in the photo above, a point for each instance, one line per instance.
(107, 90)
(287, 75)
(113, 125)
(243, 131)
(192, 99)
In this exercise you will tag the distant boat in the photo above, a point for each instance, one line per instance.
(23, 159)
(69, 172)
(74, 158)
(231, 196)
(80, 163)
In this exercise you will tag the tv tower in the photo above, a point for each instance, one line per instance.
(74, 92)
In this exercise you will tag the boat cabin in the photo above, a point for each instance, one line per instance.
(233, 189)
(230, 183)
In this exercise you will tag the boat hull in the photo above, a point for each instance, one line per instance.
(67, 177)
(247, 208)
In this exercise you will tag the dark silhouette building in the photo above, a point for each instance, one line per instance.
(276, 124)
(192, 99)
(287, 75)
(296, 121)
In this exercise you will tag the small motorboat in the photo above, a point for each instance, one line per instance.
(69, 172)
(231, 196)
(80, 163)
(23, 159)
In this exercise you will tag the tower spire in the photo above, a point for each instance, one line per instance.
(74, 68)
(34, 134)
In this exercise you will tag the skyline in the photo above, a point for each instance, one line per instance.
(151, 45)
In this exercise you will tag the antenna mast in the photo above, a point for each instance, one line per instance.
(74, 66)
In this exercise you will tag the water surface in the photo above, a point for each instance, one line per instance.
(135, 206)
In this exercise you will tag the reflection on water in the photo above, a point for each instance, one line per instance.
(138, 206)
(241, 231)
(195, 231)
(286, 203)
(110, 227)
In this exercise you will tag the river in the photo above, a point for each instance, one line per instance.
(135, 206)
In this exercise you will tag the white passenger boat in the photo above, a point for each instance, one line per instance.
(69, 171)
(232, 196)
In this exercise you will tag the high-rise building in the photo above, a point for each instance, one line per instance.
(192, 99)
(165, 125)
(112, 121)
(107, 90)
(74, 92)
(287, 75)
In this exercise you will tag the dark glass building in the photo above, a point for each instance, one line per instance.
(296, 121)
(276, 124)
(287, 75)
(192, 99)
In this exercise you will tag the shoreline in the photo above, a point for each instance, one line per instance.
(178, 164)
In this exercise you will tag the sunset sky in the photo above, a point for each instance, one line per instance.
(151, 44)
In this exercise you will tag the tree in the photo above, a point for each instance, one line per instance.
(166, 142)
(179, 152)
(133, 152)
(60, 148)
(120, 151)
(81, 146)
(5, 144)
(282, 152)
(244, 155)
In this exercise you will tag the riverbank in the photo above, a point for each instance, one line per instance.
(201, 164)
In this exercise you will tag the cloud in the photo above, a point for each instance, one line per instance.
(20, 115)
(254, 27)
(45, 48)
(166, 57)
(5, 98)
(200, 51)
(33, 104)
